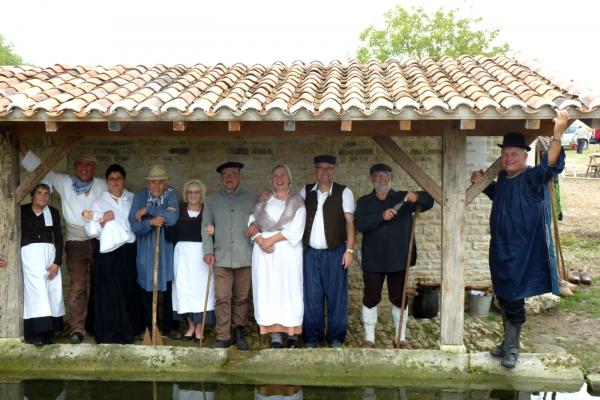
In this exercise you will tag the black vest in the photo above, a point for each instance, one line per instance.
(333, 215)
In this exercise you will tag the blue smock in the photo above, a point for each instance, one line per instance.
(522, 260)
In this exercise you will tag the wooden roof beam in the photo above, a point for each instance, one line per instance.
(179, 126)
(289, 125)
(467, 124)
(346, 125)
(234, 126)
(532, 124)
(115, 126)
(404, 124)
(51, 126)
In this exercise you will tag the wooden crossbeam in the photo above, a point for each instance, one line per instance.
(51, 126)
(488, 177)
(408, 164)
(346, 126)
(404, 124)
(179, 126)
(532, 124)
(289, 125)
(50, 162)
(115, 126)
(234, 126)
(467, 124)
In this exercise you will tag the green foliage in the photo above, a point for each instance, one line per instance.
(586, 300)
(415, 33)
(7, 55)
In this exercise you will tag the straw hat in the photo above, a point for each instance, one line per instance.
(157, 173)
(86, 157)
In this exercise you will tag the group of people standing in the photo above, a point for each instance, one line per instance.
(287, 252)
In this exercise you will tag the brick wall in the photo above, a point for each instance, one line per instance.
(187, 158)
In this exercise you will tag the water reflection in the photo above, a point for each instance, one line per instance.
(100, 390)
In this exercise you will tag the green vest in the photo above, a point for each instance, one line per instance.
(333, 215)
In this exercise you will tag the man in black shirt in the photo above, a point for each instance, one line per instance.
(386, 233)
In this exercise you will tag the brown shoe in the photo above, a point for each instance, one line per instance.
(367, 344)
(585, 278)
(564, 290)
(402, 345)
(573, 276)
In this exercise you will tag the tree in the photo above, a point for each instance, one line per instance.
(7, 55)
(415, 33)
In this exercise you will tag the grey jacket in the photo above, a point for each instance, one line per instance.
(229, 215)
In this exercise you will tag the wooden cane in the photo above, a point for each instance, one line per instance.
(560, 261)
(155, 338)
(408, 262)
(210, 271)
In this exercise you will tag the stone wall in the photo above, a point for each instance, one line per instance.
(186, 158)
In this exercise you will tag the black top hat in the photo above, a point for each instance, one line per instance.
(514, 139)
(379, 167)
(230, 164)
(325, 158)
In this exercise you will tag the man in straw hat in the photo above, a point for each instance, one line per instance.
(156, 205)
(228, 211)
(384, 217)
(521, 261)
(77, 193)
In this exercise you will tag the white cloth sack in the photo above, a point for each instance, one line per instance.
(112, 237)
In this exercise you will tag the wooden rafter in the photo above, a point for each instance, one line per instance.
(38, 174)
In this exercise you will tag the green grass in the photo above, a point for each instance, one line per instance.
(585, 300)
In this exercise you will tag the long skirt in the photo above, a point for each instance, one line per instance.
(43, 305)
(277, 288)
(118, 299)
(189, 283)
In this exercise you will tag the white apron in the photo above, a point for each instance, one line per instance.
(42, 297)
(189, 282)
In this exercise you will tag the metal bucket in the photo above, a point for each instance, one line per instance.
(479, 306)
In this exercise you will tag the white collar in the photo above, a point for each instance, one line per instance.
(314, 188)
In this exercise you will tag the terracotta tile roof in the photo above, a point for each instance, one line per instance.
(475, 86)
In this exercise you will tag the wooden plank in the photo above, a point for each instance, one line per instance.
(51, 126)
(179, 126)
(404, 124)
(234, 126)
(532, 124)
(289, 126)
(467, 124)
(274, 128)
(11, 281)
(38, 174)
(346, 126)
(454, 171)
(115, 126)
(401, 158)
(489, 175)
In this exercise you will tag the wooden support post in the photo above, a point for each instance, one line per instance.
(11, 281)
(234, 126)
(51, 126)
(179, 126)
(289, 125)
(401, 158)
(454, 171)
(346, 125)
(404, 124)
(38, 174)
(532, 124)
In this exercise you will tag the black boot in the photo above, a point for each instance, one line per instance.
(512, 339)
(240, 340)
(498, 351)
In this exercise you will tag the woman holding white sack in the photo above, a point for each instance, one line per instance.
(41, 257)
(190, 270)
(277, 283)
(117, 297)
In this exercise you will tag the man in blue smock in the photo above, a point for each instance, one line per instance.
(521, 261)
(156, 205)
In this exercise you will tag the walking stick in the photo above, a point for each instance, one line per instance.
(408, 262)
(155, 338)
(210, 270)
(560, 261)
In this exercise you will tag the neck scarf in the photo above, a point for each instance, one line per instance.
(266, 223)
(47, 216)
(158, 201)
(80, 186)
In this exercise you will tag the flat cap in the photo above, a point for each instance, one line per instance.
(379, 167)
(230, 164)
(86, 157)
(325, 158)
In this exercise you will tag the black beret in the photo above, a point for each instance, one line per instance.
(514, 139)
(325, 158)
(379, 167)
(230, 164)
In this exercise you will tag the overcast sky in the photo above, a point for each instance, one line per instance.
(563, 36)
